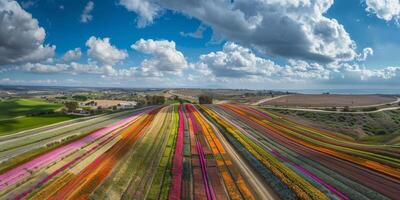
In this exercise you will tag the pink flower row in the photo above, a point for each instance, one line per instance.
(177, 168)
(20, 172)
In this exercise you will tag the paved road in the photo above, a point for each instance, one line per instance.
(42, 129)
(187, 97)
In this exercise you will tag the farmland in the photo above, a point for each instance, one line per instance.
(376, 127)
(187, 151)
(23, 114)
(24, 123)
(331, 100)
(21, 107)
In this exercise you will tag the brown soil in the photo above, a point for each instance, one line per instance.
(331, 100)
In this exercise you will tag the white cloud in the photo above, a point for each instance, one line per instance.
(290, 28)
(7, 81)
(70, 68)
(165, 59)
(384, 9)
(27, 4)
(364, 55)
(42, 68)
(44, 81)
(145, 9)
(235, 63)
(197, 34)
(21, 37)
(301, 70)
(354, 72)
(103, 51)
(234, 66)
(72, 55)
(86, 15)
(48, 81)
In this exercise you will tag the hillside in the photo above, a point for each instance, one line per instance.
(381, 127)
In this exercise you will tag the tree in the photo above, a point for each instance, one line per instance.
(80, 97)
(203, 99)
(71, 106)
(155, 100)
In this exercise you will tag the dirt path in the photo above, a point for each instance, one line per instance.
(267, 99)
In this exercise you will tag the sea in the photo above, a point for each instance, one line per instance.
(348, 91)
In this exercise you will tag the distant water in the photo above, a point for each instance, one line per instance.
(348, 91)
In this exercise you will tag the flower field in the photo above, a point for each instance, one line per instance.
(226, 151)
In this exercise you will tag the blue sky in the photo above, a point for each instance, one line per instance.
(290, 44)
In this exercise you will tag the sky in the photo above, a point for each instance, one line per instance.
(245, 44)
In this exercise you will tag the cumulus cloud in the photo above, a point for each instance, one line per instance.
(165, 59)
(86, 15)
(290, 28)
(354, 75)
(384, 9)
(238, 62)
(301, 70)
(364, 55)
(72, 55)
(21, 37)
(70, 68)
(103, 51)
(197, 34)
(235, 62)
(103, 56)
(27, 4)
(146, 10)
(8, 81)
(42, 68)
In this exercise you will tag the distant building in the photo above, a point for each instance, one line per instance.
(80, 111)
(127, 105)
(108, 104)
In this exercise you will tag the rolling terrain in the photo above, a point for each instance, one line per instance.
(332, 100)
(186, 151)
(24, 114)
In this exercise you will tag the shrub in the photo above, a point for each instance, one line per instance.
(155, 100)
(203, 99)
(80, 97)
(369, 109)
(71, 105)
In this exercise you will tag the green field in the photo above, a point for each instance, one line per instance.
(16, 114)
(25, 123)
(22, 107)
